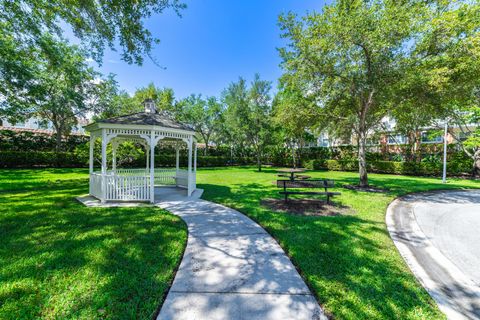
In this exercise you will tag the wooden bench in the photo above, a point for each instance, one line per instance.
(307, 184)
(301, 177)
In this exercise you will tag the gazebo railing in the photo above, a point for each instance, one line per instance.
(134, 184)
(127, 188)
(161, 176)
(96, 184)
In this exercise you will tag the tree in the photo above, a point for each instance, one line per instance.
(443, 74)
(349, 58)
(467, 121)
(98, 24)
(203, 114)
(295, 114)
(164, 97)
(248, 114)
(65, 88)
(120, 104)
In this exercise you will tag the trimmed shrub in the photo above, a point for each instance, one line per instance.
(342, 165)
(18, 159)
(28, 141)
(314, 164)
(454, 167)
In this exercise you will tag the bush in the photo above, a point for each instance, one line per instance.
(19, 159)
(454, 167)
(342, 165)
(28, 141)
(30, 159)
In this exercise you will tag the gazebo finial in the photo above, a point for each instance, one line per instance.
(149, 105)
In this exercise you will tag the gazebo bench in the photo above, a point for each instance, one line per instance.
(307, 184)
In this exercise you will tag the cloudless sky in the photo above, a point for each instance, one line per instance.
(211, 45)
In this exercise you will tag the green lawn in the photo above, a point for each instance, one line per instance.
(61, 260)
(349, 262)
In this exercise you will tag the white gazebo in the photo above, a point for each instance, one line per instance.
(147, 128)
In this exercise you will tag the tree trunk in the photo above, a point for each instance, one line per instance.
(476, 163)
(58, 139)
(362, 159)
(293, 156)
(259, 161)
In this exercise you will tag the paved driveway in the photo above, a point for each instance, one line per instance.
(438, 234)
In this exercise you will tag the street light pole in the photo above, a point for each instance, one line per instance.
(444, 178)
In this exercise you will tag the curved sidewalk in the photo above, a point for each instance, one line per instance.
(233, 269)
(437, 235)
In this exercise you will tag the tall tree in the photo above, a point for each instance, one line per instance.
(248, 114)
(349, 57)
(203, 114)
(164, 97)
(65, 89)
(442, 78)
(295, 113)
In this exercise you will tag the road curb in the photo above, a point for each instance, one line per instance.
(413, 244)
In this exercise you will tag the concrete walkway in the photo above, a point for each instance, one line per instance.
(232, 269)
(438, 234)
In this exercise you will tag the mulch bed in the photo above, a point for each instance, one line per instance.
(372, 189)
(307, 207)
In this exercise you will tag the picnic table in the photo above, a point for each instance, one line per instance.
(307, 184)
(292, 173)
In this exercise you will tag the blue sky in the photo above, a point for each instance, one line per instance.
(211, 45)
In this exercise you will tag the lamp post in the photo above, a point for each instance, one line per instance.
(444, 176)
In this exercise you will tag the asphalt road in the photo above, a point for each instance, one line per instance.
(438, 234)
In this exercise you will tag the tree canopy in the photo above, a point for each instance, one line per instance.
(349, 59)
(98, 24)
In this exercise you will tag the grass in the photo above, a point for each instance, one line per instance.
(61, 260)
(349, 261)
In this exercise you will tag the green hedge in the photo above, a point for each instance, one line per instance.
(16, 159)
(454, 167)
(29, 159)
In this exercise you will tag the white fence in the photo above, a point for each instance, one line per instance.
(134, 184)
(127, 188)
(96, 184)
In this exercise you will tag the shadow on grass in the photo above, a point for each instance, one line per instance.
(348, 261)
(60, 259)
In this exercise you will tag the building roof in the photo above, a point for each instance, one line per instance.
(161, 119)
(37, 131)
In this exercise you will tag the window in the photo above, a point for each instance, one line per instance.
(42, 125)
(324, 143)
(462, 136)
(397, 139)
(431, 138)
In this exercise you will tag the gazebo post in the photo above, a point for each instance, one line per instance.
(90, 156)
(147, 151)
(195, 167)
(114, 156)
(104, 166)
(177, 160)
(90, 162)
(189, 176)
(152, 167)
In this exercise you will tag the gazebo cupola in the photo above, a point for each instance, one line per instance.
(148, 128)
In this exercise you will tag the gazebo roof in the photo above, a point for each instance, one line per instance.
(157, 119)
